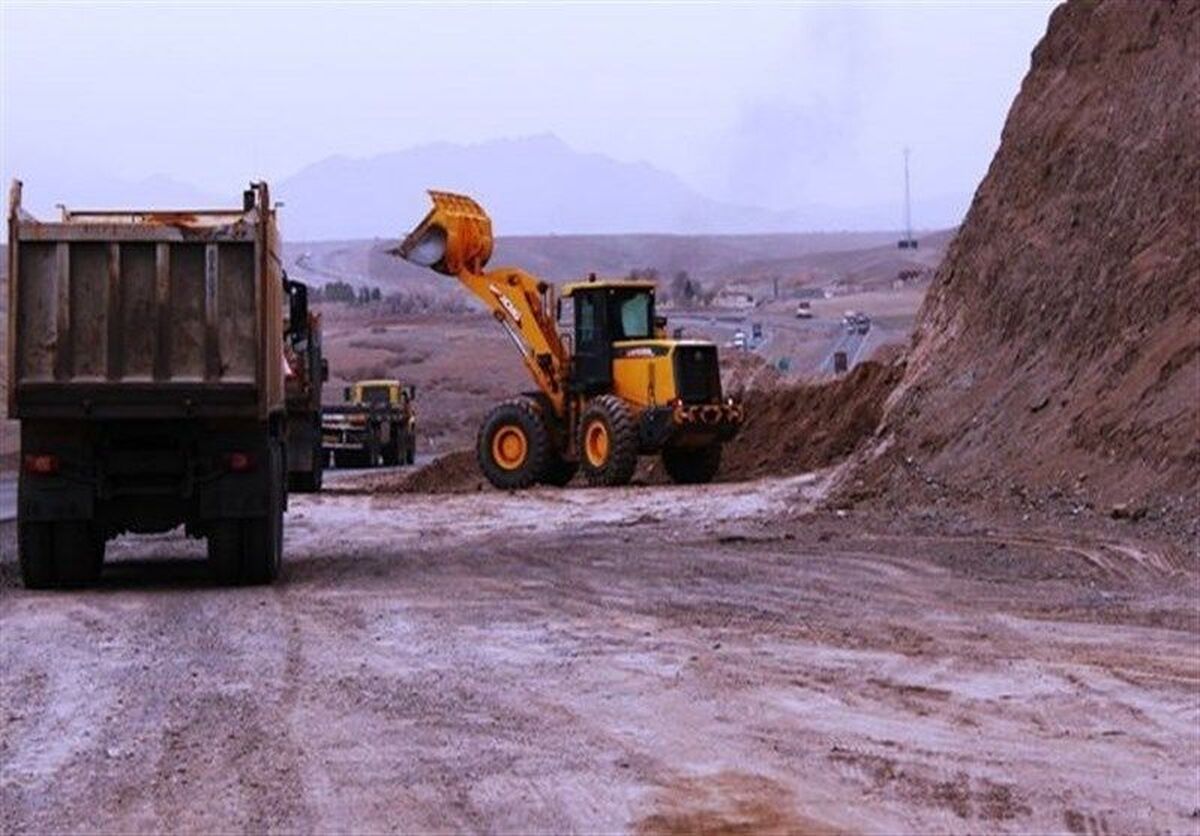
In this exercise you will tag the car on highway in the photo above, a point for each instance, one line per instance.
(739, 340)
(856, 322)
(804, 311)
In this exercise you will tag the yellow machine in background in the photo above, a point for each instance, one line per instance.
(618, 388)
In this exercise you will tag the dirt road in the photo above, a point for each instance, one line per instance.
(643, 659)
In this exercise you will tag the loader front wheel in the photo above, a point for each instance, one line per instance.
(513, 447)
(608, 442)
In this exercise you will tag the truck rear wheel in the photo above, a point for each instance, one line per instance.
(692, 465)
(310, 481)
(608, 442)
(513, 446)
(391, 451)
(250, 551)
(58, 554)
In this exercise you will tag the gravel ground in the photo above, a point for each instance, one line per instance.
(646, 659)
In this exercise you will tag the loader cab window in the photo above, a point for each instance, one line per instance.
(587, 318)
(634, 315)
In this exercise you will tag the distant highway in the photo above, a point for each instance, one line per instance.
(855, 345)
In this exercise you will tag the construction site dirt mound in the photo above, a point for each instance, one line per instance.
(456, 472)
(791, 429)
(1058, 349)
(743, 371)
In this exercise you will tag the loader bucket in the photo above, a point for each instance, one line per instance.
(455, 237)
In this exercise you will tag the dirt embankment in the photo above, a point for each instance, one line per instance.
(1058, 349)
(790, 429)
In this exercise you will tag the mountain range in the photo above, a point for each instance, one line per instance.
(534, 185)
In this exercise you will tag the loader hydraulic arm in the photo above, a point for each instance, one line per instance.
(455, 239)
(519, 303)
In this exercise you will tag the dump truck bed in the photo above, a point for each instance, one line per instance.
(145, 314)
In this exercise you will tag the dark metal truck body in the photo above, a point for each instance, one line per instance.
(146, 368)
(306, 371)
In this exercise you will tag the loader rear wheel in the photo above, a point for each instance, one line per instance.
(608, 442)
(513, 447)
(692, 465)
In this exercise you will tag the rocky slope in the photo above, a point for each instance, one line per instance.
(1058, 350)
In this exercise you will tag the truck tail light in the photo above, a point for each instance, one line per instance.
(41, 464)
(239, 462)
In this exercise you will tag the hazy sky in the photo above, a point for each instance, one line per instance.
(774, 105)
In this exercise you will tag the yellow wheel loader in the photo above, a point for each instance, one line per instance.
(612, 389)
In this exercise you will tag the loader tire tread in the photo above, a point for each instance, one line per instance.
(525, 414)
(621, 463)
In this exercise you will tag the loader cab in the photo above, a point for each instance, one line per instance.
(604, 313)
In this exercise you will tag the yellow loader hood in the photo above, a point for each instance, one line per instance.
(454, 238)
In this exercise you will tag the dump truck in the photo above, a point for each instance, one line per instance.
(376, 425)
(145, 351)
(614, 388)
(305, 371)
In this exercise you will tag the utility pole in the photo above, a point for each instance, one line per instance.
(907, 242)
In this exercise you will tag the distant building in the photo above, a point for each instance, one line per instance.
(734, 296)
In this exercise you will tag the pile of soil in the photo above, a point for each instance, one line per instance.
(1058, 349)
(742, 372)
(791, 429)
(456, 472)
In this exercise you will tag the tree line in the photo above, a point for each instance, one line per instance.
(682, 289)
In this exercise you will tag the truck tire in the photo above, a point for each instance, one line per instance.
(692, 465)
(78, 553)
(351, 458)
(309, 481)
(35, 553)
(608, 442)
(513, 446)
(250, 551)
(391, 451)
(559, 471)
(225, 551)
(66, 553)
